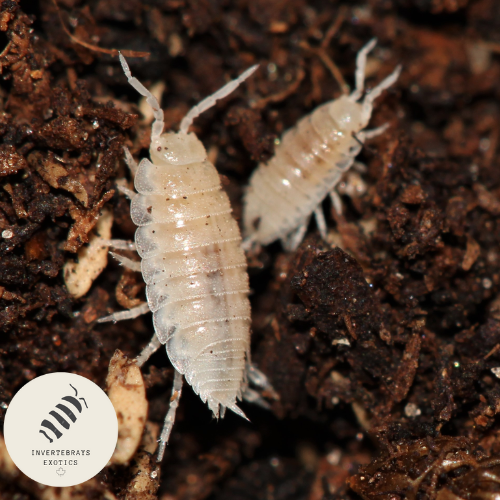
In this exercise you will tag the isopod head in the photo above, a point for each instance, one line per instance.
(348, 114)
(177, 149)
(338, 120)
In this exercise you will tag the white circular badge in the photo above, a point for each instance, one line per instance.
(60, 429)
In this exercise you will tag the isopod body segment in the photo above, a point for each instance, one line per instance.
(308, 163)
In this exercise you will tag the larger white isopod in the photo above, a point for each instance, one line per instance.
(192, 263)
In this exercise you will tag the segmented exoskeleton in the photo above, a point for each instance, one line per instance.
(308, 164)
(192, 263)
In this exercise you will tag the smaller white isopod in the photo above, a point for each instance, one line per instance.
(308, 164)
(193, 266)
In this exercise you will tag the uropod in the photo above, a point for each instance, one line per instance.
(192, 263)
(308, 164)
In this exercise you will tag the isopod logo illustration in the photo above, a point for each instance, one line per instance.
(60, 429)
(60, 419)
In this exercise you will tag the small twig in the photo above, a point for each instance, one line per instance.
(493, 351)
(330, 65)
(332, 30)
(95, 48)
(335, 71)
(492, 46)
(4, 51)
(321, 50)
(350, 327)
(282, 95)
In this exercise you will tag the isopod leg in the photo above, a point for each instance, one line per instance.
(133, 265)
(127, 192)
(292, 241)
(170, 417)
(320, 221)
(119, 244)
(148, 351)
(129, 160)
(359, 167)
(248, 243)
(129, 314)
(259, 379)
(374, 132)
(352, 183)
(355, 147)
(360, 69)
(336, 201)
(254, 397)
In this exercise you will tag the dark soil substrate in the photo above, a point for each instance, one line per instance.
(381, 348)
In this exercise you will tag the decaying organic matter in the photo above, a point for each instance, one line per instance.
(382, 341)
(126, 390)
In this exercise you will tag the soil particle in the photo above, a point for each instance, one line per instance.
(382, 342)
(446, 467)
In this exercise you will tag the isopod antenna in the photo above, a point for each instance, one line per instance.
(150, 99)
(210, 101)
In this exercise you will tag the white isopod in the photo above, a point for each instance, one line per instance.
(308, 164)
(192, 263)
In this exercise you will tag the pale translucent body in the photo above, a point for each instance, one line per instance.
(193, 266)
(308, 163)
(195, 271)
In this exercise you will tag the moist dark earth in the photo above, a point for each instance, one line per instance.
(382, 342)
